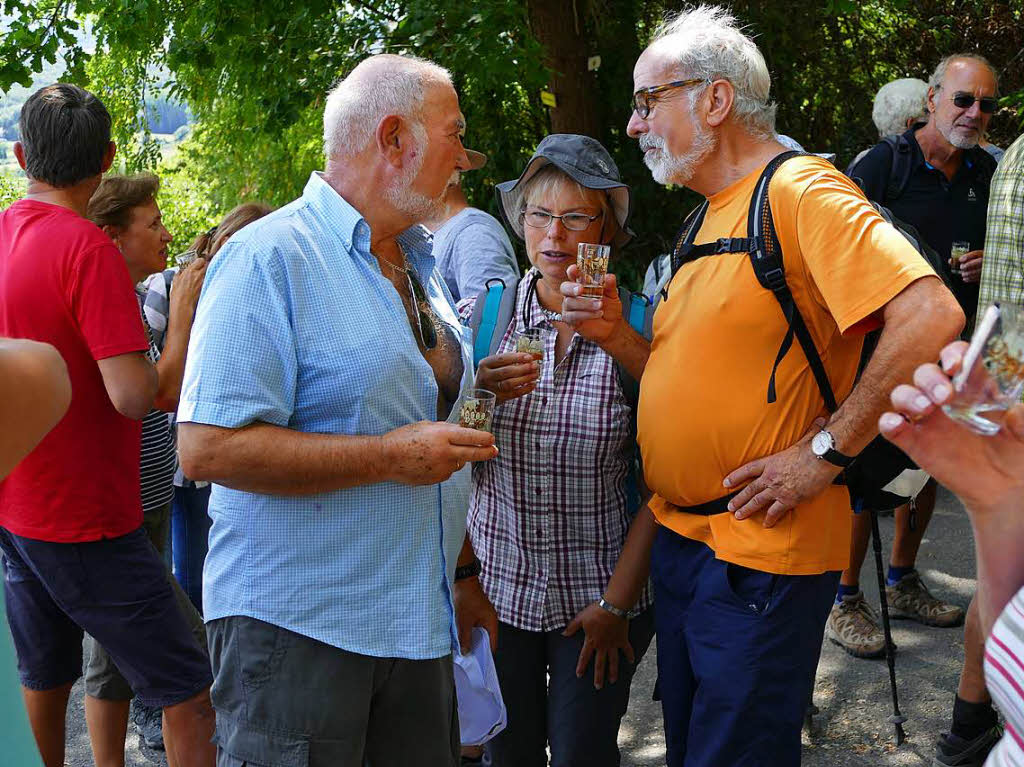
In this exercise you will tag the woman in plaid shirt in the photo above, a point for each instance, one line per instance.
(548, 517)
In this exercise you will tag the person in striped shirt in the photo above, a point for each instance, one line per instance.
(987, 474)
(125, 208)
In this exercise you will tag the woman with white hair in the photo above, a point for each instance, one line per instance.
(899, 105)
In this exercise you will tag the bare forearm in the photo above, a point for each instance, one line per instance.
(262, 458)
(918, 324)
(466, 554)
(1000, 566)
(170, 368)
(629, 349)
(634, 565)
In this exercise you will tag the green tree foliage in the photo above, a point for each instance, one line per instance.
(254, 73)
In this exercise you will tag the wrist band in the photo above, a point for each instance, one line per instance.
(468, 571)
(609, 607)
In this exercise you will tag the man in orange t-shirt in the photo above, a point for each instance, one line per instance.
(742, 594)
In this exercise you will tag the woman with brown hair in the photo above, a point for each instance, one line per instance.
(125, 208)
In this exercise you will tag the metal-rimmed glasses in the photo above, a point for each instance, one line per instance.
(644, 98)
(574, 222)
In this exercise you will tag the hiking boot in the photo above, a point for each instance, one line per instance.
(953, 751)
(148, 721)
(853, 625)
(910, 598)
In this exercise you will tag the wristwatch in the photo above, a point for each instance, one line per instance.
(824, 446)
(468, 571)
(607, 606)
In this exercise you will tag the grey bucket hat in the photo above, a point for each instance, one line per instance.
(582, 159)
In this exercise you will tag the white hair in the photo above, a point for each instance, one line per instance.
(707, 42)
(897, 102)
(379, 86)
(935, 81)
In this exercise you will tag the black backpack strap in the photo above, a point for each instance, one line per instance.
(901, 168)
(684, 242)
(766, 260)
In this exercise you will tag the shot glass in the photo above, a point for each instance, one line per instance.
(476, 409)
(991, 379)
(184, 259)
(958, 250)
(592, 261)
(530, 341)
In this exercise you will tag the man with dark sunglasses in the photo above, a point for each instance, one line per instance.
(943, 191)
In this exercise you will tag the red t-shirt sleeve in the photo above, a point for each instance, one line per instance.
(104, 305)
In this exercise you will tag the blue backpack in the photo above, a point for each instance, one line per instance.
(492, 316)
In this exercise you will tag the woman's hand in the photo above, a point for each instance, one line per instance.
(508, 375)
(596, 319)
(983, 471)
(606, 635)
(185, 289)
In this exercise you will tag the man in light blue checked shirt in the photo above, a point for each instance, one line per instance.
(325, 356)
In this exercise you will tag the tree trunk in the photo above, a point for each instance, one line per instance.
(559, 26)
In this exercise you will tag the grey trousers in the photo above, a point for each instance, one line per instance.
(285, 700)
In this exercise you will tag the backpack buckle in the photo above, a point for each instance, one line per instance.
(723, 245)
(775, 279)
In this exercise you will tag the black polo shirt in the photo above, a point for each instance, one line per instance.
(942, 211)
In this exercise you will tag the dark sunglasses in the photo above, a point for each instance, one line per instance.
(424, 322)
(644, 98)
(986, 104)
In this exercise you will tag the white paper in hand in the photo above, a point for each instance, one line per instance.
(481, 709)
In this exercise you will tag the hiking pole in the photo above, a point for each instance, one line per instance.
(897, 718)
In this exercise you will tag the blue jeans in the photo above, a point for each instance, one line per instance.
(549, 705)
(737, 652)
(190, 533)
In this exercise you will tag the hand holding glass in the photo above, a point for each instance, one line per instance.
(991, 379)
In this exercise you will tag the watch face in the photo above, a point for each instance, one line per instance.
(821, 443)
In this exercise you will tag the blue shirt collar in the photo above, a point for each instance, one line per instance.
(348, 224)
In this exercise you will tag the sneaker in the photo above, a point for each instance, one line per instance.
(953, 751)
(853, 625)
(149, 722)
(910, 598)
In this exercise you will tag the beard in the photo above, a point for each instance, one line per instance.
(401, 196)
(958, 136)
(667, 168)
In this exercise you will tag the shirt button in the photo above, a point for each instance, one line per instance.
(540, 533)
(537, 490)
(543, 400)
(538, 444)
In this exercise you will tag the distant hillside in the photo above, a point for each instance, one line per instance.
(165, 116)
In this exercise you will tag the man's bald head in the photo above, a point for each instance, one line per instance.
(379, 86)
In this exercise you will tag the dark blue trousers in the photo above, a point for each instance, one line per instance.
(737, 653)
(190, 532)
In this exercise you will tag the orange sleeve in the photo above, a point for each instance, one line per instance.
(855, 261)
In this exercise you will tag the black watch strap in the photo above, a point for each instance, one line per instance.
(836, 458)
(468, 571)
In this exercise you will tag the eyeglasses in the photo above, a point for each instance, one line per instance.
(575, 222)
(986, 104)
(424, 322)
(644, 98)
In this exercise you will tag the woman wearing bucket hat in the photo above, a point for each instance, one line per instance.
(549, 518)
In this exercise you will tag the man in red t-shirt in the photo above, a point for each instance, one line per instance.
(75, 555)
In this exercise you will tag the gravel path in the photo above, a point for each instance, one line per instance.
(853, 695)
